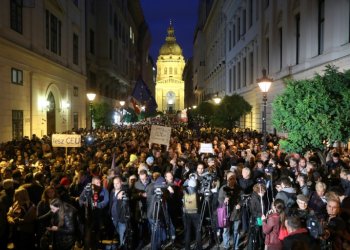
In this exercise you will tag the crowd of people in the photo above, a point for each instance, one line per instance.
(117, 187)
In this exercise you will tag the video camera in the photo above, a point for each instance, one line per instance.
(159, 189)
(206, 183)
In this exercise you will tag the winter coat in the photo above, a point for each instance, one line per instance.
(271, 229)
(22, 217)
(64, 237)
(300, 240)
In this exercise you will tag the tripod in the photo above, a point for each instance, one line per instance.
(206, 204)
(158, 206)
(127, 237)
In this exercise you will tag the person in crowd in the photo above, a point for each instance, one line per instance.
(287, 194)
(336, 231)
(272, 224)
(318, 202)
(229, 197)
(21, 216)
(140, 195)
(6, 199)
(298, 237)
(42, 209)
(258, 207)
(191, 210)
(94, 198)
(118, 209)
(63, 225)
(302, 182)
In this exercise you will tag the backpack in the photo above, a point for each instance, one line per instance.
(190, 203)
(291, 199)
(314, 226)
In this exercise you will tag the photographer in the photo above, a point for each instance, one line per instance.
(229, 196)
(94, 198)
(191, 212)
(118, 209)
(157, 212)
(140, 195)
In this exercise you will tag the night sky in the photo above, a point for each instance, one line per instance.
(183, 14)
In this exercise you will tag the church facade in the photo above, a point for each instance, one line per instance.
(170, 87)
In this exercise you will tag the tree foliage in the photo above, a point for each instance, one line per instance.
(314, 110)
(225, 114)
(102, 114)
(230, 111)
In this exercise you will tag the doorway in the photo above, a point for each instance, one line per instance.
(51, 115)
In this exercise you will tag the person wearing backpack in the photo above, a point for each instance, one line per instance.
(287, 194)
(190, 212)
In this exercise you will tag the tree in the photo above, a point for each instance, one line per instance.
(204, 112)
(230, 111)
(102, 114)
(313, 111)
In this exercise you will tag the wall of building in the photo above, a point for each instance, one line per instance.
(41, 70)
(282, 37)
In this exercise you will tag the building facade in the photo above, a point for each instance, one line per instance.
(42, 67)
(117, 53)
(290, 39)
(170, 88)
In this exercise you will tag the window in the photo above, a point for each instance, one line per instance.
(239, 76)
(110, 15)
(75, 49)
(250, 14)
(230, 80)
(92, 7)
(244, 74)
(320, 26)
(280, 33)
(244, 21)
(251, 67)
(239, 28)
(92, 41)
(234, 78)
(93, 83)
(233, 35)
(16, 18)
(115, 25)
(297, 38)
(75, 120)
(75, 91)
(17, 76)
(17, 124)
(170, 70)
(165, 71)
(53, 33)
(110, 49)
(230, 40)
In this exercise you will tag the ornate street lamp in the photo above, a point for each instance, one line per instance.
(217, 99)
(264, 84)
(91, 98)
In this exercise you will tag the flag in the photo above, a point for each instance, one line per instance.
(135, 106)
(143, 94)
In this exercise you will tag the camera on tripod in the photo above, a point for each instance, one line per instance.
(159, 189)
(206, 183)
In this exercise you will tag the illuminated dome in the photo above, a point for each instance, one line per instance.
(170, 47)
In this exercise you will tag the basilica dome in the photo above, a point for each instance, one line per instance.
(170, 47)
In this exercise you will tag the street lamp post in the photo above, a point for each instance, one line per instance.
(91, 98)
(216, 100)
(264, 84)
(122, 103)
